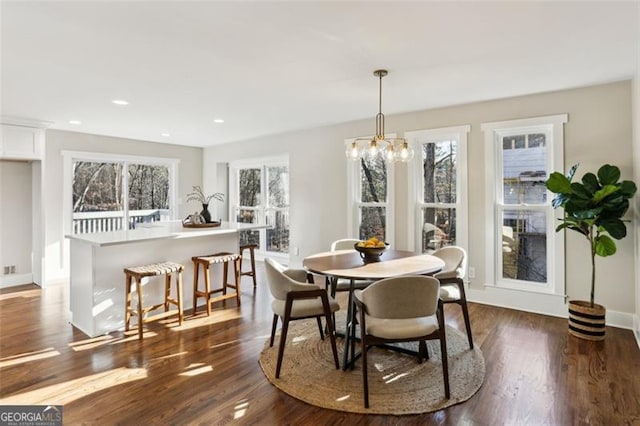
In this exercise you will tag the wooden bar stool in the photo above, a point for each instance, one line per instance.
(206, 262)
(136, 274)
(251, 272)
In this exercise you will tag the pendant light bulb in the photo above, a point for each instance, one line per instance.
(352, 151)
(406, 153)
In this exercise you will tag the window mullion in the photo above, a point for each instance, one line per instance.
(125, 194)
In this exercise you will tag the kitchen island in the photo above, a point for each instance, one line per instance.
(97, 290)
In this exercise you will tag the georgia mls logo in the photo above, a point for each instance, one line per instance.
(52, 407)
(27, 415)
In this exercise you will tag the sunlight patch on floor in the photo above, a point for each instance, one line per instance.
(92, 343)
(27, 357)
(162, 358)
(240, 409)
(230, 342)
(134, 336)
(196, 369)
(393, 377)
(201, 321)
(66, 392)
(24, 293)
(299, 339)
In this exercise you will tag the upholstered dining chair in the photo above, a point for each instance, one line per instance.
(342, 284)
(401, 309)
(451, 281)
(293, 299)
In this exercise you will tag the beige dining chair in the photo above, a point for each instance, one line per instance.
(342, 284)
(293, 299)
(452, 281)
(401, 309)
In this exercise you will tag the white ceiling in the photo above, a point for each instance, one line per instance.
(270, 67)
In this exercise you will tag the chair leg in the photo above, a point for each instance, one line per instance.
(236, 273)
(283, 340)
(179, 298)
(253, 266)
(207, 287)
(445, 364)
(140, 315)
(274, 324)
(467, 323)
(443, 348)
(320, 328)
(167, 291)
(331, 333)
(196, 266)
(365, 378)
(422, 350)
(127, 301)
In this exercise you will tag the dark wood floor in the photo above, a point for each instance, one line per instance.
(207, 372)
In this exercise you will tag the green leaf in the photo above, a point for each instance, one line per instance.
(591, 182)
(628, 188)
(608, 174)
(558, 183)
(604, 192)
(605, 246)
(615, 228)
(574, 205)
(581, 191)
(587, 214)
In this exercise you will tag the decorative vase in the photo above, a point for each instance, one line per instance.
(205, 213)
(586, 321)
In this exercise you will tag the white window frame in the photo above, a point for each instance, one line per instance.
(417, 139)
(70, 156)
(263, 208)
(553, 125)
(354, 195)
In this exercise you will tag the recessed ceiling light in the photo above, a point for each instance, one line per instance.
(120, 102)
(218, 120)
(75, 122)
(166, 135)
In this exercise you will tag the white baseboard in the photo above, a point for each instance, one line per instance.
(15, 280)
(539, 303)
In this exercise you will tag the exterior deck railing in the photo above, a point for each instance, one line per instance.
(85, 223)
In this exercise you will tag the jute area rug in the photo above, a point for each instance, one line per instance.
(397, 383)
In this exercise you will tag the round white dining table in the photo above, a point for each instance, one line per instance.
(348, 264)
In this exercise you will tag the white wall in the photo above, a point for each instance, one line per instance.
(636, 174)
(56, 246)
(15, 221)
(598, 131)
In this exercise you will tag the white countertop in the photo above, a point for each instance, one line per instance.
(158, 231)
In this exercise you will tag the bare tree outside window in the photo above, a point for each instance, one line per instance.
(271, 208)
(373, 190)
(249, 190)
(439, 160)
(98, 194)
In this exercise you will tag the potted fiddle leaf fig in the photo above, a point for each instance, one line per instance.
(594, 208)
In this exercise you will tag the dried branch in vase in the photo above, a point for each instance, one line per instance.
(198, 195)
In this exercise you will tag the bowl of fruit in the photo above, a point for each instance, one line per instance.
(370, 250)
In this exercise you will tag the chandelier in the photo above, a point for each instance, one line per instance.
(391, 149)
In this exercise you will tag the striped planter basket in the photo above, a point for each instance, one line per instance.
(585, 321)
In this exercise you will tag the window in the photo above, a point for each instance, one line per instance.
(371, 203)
(441, 187)
(259, 193)
(520, 155)
(99, 184)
